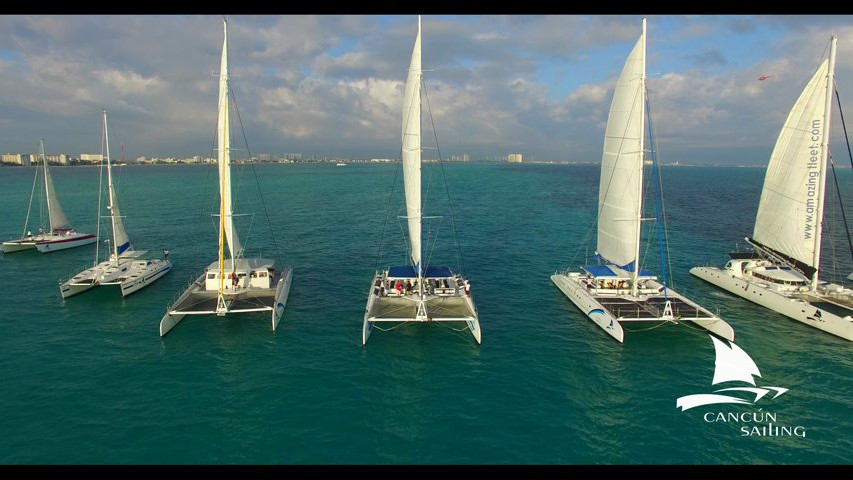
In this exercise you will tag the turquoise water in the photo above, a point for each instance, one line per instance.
(88, 380)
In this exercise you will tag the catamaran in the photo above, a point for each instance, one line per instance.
(617, 290)
(125, 266)
(417, 292)
(782, 271)
(58, 235)
(236, 284)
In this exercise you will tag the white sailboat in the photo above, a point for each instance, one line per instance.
(236, 284)
(417, 292)
(782, 273)
(57, 234)
(127, 268)
(619, 290)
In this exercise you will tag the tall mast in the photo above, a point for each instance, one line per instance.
(223, 138)
(46, 183)
(824, 146)
(636, 273)
(110, 207)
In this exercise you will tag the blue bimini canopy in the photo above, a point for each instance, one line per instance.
(407, 271)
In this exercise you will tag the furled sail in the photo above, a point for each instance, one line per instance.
(224, 145)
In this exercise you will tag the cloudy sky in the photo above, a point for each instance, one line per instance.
(332, 84)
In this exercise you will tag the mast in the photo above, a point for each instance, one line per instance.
(46, 183)
(110, 207)
(642, 91)
(824, 146)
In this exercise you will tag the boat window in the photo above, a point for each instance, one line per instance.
(262, 274)
(211, 275)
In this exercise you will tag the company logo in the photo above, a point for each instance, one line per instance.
(732, 365)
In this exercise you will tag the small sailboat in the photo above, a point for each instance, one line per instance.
(57, 234)
(417, 292)
(782, 272)
(127, 268)
(236, 284)
(618, 290)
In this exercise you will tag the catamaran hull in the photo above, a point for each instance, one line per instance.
(144, 280)
(12, 247)
(170, 319)
(56, 245)
(282, 291)
(795, 308)
(71, 289)
(589, 306)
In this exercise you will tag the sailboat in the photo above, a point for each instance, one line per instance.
(732, 364)
(125, 266)
(617, 290)
(58, 235)
(417, 292)
(782, 272)
(235, 284)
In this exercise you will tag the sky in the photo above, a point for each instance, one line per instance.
(332, 85)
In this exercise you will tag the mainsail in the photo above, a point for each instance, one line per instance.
(120, 240)
(790, 212)
(224, 144)
(54, 210)
(620, 188)
(411, 151)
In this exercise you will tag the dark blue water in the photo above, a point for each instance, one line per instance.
(89, 380)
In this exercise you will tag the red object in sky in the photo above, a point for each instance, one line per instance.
(764, 77)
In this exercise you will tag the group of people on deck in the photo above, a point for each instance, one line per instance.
(606, 284)
(408, 287)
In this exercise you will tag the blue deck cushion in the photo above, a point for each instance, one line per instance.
(407, 271)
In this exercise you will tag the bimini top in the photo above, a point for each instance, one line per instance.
(408, 271)
(604, 271)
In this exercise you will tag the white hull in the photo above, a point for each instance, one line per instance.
(411, 313)
(792, 307)
(13, 246)
(129, 275)
(77, 240)
(171, 318)
(572, 286)
(282, 291)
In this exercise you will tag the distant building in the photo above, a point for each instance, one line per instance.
(514, 158)
(15, 159)
(91, 158)
(61, 159)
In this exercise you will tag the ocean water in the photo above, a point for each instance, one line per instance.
(88, 380)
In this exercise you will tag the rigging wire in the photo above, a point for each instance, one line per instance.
(850, 154)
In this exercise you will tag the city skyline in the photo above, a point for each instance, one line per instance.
(331, 85)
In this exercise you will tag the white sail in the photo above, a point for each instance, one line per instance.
(54, 210)
(120, 241)
(411, 151)
(620, 187)
(733, 364)
(790, 210)
(224, 140)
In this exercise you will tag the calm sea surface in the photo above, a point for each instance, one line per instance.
(88, 380)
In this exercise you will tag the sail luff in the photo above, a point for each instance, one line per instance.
(821, 186)
(635, 284)
(224, 140)
(620, 186)
(411, 150)
(55, 214)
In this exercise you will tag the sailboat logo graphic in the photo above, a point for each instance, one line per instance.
(732, 365)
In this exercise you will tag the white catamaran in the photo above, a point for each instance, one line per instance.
(236, 284)
(59, 235)
(417, 292)
(125, 266)
(782, 271)
(618, 290)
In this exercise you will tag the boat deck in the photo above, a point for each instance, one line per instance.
(650, 308)
(438, 307)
